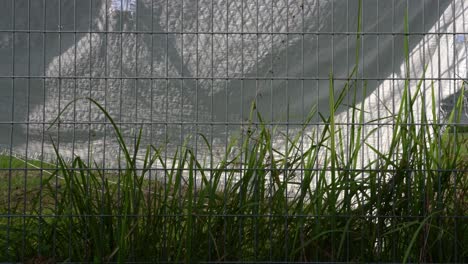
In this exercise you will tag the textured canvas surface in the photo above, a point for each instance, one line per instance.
(231, 53)
(123, 5)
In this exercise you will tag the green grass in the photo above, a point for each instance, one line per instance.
(7, 161)
(409, 204)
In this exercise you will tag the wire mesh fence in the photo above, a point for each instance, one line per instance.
(233, 131)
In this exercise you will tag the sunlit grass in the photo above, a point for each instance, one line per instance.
(408, 204)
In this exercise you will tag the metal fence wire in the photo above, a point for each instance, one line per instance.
(263, 131)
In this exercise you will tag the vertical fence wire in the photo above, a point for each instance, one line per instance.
(12, 126)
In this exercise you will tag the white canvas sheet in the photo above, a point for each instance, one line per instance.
(231, 53)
